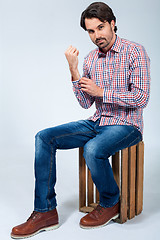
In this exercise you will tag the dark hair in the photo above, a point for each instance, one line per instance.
(98, 10)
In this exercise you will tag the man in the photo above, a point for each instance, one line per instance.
(116, 77)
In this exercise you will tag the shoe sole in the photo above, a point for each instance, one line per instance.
(40, 230)
(92, 227)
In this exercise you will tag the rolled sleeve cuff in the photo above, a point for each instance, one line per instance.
(76, 84)
(108, 96)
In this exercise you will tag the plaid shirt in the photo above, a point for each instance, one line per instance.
(124, 74)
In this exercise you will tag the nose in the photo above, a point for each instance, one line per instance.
(97, 35)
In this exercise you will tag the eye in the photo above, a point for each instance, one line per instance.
(90, 31)
(100, 27)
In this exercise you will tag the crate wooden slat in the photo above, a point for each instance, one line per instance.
(97, 195)
(124, 186)
(116, 167)
(82, 180)
(90, 188)
(139, 177)
(131, 181)
(86, 209)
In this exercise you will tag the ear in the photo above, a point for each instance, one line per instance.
(112, 25)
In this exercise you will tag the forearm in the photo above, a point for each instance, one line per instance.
(137, 98)
(75, 75)
(84, 99)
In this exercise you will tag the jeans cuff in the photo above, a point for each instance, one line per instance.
(45, 209)
(109, 205)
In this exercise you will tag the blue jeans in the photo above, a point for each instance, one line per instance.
(99, 142)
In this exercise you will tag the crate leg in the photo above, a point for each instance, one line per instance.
(116, 167)
(124, 186)
(90, 189)
(82, 180)
(116, 173)
(131, 182)
(139, 177)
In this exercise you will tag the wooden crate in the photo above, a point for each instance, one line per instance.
(127, 166)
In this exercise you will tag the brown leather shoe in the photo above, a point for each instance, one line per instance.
(99, 217)
(36, 223)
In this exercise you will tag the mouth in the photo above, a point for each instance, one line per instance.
(100, 41)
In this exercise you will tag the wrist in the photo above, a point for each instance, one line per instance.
(75, 74)
(100, 92)
(73, 69)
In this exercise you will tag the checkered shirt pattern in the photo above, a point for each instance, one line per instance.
(124, 74)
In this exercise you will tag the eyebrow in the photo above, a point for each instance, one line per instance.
(102, 24)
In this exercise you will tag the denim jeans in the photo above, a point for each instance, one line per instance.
(99, 142)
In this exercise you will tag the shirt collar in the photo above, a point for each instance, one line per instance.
(117, 44)
(116, 47)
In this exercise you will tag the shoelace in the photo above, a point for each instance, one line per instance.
(99, 209)
(33, 215)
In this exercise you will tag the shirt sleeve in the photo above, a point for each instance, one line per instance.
(84, 99)
(138, 92)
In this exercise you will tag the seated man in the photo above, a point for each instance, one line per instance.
(116, 77)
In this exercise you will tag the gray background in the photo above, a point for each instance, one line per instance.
(36, 93)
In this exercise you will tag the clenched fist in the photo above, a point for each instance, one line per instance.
(72, 57)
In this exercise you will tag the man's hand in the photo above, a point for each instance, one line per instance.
(72, 57)
(88, 86)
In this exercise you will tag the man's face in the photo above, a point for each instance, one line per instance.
(101, 33)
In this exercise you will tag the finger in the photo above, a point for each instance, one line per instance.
(72, 50)
(83, 85)
(85, 90)
(76, 52)
(68, 49)
(84, 81)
